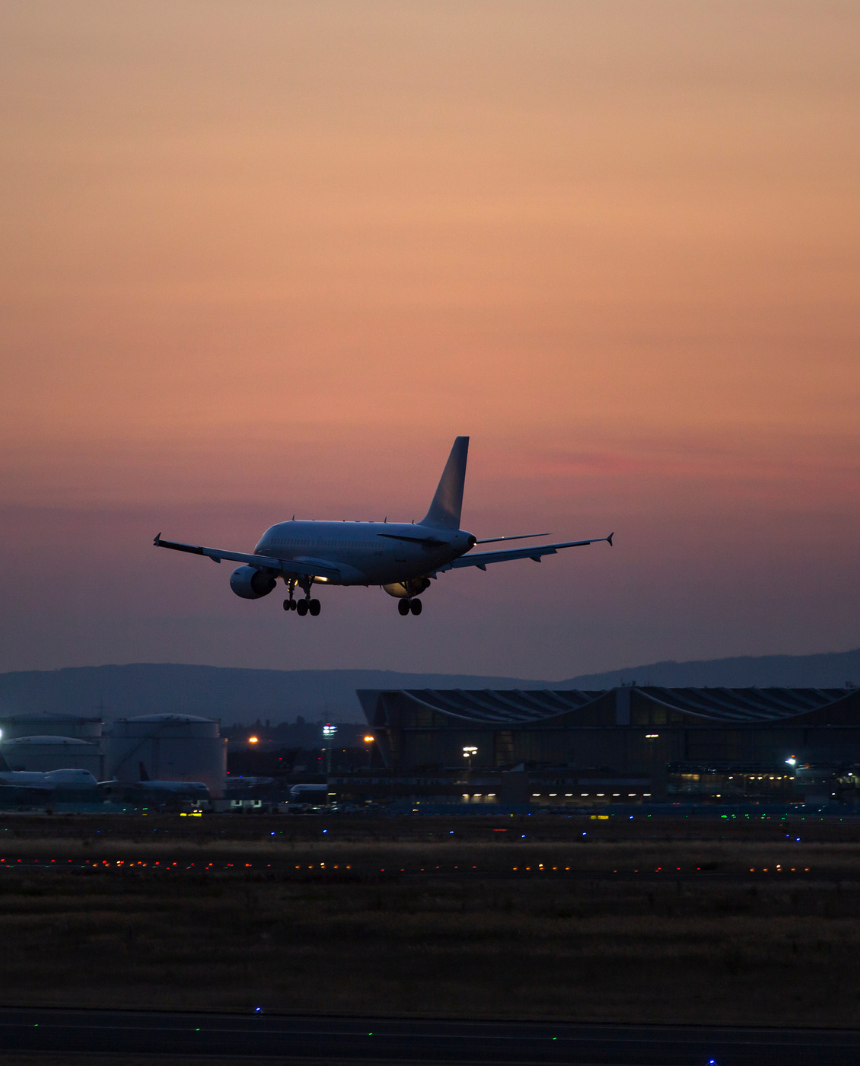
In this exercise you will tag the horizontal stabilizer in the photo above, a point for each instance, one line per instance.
(519, 536)
(432, 542)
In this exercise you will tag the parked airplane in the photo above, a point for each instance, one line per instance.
(400, 557)
(155, 792)
(49, 781)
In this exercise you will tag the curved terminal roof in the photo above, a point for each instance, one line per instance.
(744, 704)
(533, 707)
(516, 706)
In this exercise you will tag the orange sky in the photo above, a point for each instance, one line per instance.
(271, 257)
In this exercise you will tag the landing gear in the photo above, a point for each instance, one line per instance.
(405, 606)
(305, 605)
(290, 604)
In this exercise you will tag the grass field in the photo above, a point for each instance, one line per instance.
(642, 921)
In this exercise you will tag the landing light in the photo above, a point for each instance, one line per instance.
(791, 761)
(369, 739)
(253, 740)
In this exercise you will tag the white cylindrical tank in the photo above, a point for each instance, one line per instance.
(40, 754)
(168, 747)
(56, 725)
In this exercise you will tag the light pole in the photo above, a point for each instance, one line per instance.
(468, 752)
(329, 731)
(368, 740)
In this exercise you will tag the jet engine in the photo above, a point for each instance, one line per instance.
(251, 583)
(414, 587)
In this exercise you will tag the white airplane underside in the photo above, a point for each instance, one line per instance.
(401, 558)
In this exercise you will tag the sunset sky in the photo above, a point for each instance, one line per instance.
(264, 257)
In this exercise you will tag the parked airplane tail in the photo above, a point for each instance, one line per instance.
(5, 768)
(448, 501)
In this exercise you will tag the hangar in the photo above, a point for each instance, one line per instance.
(674, 738)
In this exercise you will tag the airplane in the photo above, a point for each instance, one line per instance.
(402, 558)
(49, 781)
(151, 791)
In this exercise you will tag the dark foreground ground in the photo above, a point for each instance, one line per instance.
(428, 1042)
(637, 921)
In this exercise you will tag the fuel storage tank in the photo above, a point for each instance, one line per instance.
(40, 754)
(168, 747)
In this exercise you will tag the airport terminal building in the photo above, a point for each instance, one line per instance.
(627, 743)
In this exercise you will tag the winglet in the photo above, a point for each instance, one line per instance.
(157, 540)
(448, 501)
(609, 538)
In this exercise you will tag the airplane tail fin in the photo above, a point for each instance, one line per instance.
(144, 776)
(448, 501)
(4, 766)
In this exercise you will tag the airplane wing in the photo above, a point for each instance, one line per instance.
(262, 562)
(481, 559)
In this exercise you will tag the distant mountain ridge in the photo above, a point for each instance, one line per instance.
(234, 694)
(826, 670)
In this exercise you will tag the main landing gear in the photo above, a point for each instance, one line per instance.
(405, 606)
(302, 607)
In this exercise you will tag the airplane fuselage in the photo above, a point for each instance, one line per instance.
(365, 553)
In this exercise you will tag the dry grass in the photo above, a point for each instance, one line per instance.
(715, 944)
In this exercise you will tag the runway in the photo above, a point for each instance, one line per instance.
(374, 1040)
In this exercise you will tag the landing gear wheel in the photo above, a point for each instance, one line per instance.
(403, 607)
(293, 605)
(302, 607)
(314, 607)
(415, 607)
(287, 606)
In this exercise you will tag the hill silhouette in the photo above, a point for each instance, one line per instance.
(234, 694)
